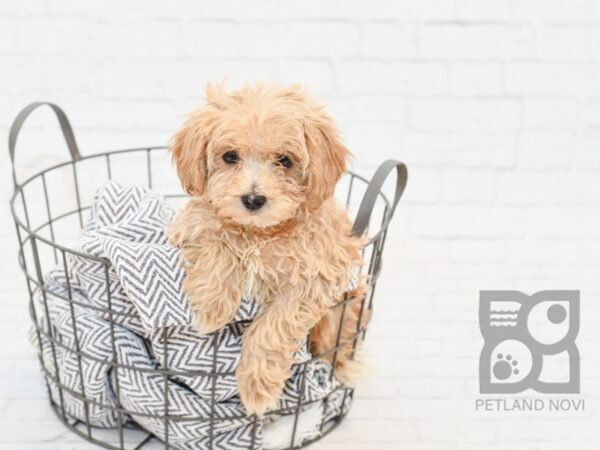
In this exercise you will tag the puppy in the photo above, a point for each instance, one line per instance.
(261, 164)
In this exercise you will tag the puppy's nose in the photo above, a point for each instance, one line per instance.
(253, 201)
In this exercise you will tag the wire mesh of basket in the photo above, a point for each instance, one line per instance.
(49, 210)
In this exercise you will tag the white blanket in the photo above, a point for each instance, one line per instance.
(127, 227)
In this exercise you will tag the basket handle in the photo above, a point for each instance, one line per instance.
(17, 124)
(373, 189)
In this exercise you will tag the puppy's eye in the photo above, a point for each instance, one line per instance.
(285, 161)
(231, 157)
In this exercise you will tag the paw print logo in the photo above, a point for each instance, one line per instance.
(529, 342)
(505, 367)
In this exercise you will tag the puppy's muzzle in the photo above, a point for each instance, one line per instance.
(253, 202)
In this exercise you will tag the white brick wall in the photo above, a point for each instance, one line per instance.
(493, 104)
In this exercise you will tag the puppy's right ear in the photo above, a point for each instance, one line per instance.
(189, 146)
(188, 149)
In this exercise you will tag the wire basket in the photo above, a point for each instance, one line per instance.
(49, 210)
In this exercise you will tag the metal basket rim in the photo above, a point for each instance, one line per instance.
(33, 233)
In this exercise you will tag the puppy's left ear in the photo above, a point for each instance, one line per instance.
(327, 154)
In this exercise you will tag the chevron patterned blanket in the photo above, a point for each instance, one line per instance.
(149, 313)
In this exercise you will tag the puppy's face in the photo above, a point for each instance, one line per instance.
(259, 155)
(256, 169)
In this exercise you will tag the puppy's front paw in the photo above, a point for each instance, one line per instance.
(209, 320)
(213, 304)
(260, 384)
(258, 400)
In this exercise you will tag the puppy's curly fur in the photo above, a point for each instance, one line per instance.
(294, 253)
